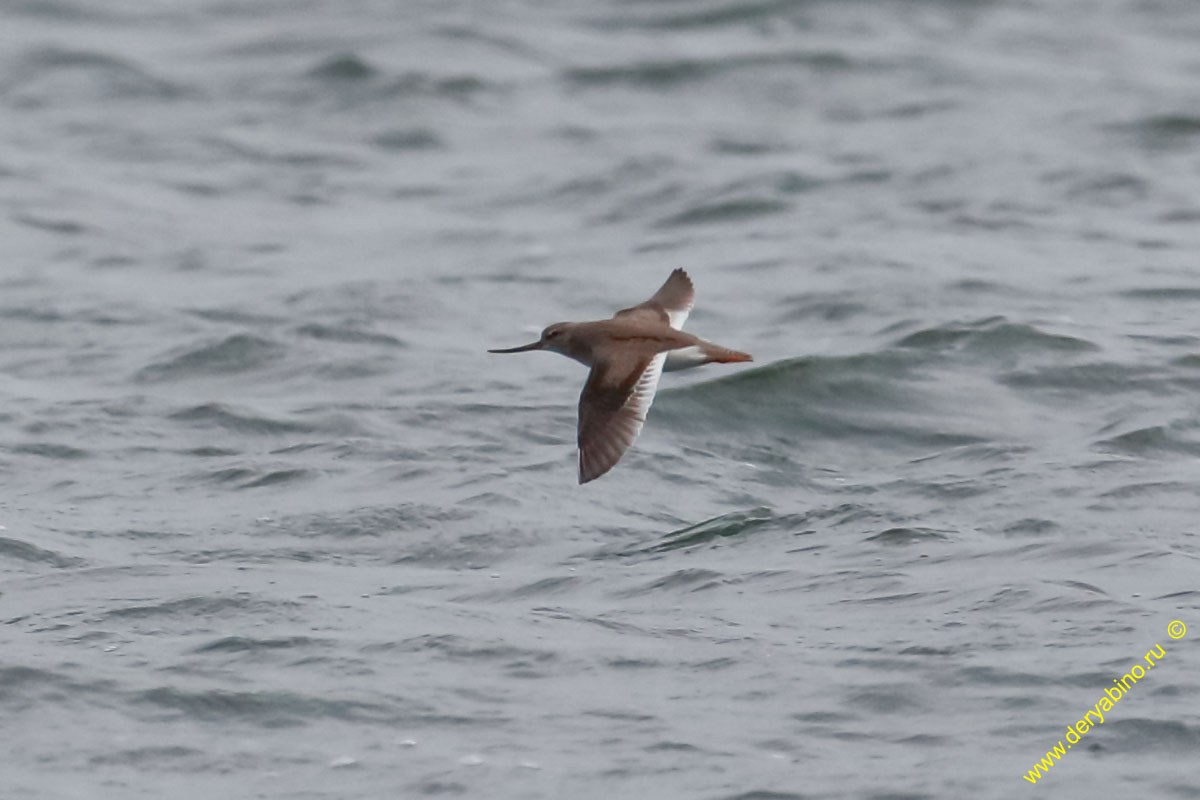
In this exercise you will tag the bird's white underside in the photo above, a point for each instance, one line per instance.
(684, 358)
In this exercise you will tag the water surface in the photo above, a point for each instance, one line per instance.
(275, 525)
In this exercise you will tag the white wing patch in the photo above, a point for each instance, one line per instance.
(646, 387)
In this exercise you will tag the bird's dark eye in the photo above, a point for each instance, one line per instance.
(552, 334)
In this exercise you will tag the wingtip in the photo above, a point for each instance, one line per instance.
(588, 471)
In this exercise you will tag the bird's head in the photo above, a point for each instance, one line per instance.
(556, 337)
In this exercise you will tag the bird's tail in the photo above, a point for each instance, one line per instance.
(723, 355)
(703, 353)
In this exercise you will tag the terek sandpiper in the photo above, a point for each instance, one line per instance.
(627, 355)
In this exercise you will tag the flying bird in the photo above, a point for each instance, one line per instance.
(627, 355)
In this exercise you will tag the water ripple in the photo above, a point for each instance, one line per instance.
(234, 354)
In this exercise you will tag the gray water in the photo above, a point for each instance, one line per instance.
(276, 526)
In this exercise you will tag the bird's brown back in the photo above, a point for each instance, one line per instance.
(632, 337)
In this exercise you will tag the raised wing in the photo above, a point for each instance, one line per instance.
(670, 304)
(612, 410)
